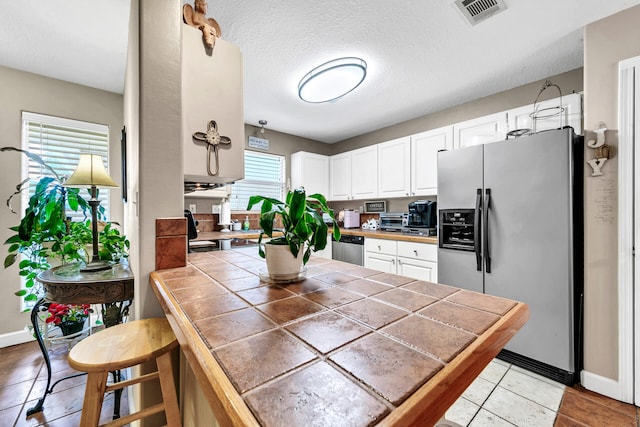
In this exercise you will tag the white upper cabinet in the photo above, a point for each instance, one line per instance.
(311, 171)
(394, 168)
(482, 130)
(424, 156)
(340, 176)
(549, 115)
(354, 174)
(364, 172)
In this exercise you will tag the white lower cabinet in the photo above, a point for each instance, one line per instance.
(415, 260)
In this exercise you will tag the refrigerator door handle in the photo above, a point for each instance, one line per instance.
(476, 229)
(487, 243)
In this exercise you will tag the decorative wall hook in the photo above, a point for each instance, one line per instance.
(213, 139)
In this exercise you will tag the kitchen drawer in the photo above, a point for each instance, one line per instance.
(424, 251)
(380, 246)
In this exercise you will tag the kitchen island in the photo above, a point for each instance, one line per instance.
(344, 345)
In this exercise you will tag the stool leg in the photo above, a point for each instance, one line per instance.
(93, 398)
(169, 396)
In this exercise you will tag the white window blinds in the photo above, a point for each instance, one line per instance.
(60, 142)
(263, 175)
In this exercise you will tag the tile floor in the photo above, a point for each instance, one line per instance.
(507, 395)
(503, 395)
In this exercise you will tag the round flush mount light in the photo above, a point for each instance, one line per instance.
(332, 80)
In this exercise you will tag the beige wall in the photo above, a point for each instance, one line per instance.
(159, 187)
(606, 43)
(29, 92)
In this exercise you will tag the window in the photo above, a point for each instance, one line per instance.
(263, 175)
(60, 142)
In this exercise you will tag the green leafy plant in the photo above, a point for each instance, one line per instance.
(302, 223)
(45, 234)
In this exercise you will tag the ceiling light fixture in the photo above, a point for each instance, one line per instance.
(332, 80)
(262, 123)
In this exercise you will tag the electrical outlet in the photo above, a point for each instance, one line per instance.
(192, 208)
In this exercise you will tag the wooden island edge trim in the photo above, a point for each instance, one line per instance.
(430, 402)
(227, 405)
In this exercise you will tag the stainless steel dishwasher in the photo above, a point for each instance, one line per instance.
(348, 249)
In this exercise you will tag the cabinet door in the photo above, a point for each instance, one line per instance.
(380, 262)
(311, 171)
(340, 176)
(364, 172)
(482, 130)
(424, 159)
(549, 115)
(394, 168)
(418, 269)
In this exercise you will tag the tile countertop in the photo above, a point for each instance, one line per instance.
(345, 346)
(254, 234)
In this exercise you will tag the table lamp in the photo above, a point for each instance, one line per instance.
(91, 173)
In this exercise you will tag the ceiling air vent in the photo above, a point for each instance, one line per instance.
(479, 10)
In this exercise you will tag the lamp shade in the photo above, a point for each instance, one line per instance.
(90, 172)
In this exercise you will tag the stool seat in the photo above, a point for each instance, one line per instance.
(123, 346)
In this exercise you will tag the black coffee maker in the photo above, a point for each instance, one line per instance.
(423, 214)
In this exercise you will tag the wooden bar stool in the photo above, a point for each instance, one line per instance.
(120, 347)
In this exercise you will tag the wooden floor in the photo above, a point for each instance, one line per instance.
(23, 379)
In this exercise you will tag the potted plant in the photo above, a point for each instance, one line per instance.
(46, 236)
(70, 318)
(303, 231)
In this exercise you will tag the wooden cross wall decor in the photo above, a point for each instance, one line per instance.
(213, 139)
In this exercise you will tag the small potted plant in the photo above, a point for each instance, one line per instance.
(303, 231)
(70, 318)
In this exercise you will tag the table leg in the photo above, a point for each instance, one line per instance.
(36, 328)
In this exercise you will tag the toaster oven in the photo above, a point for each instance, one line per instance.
(393, 221)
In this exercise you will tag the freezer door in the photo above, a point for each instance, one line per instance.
(530, 240)
(459, 179)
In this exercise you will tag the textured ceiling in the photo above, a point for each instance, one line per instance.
(422, 56)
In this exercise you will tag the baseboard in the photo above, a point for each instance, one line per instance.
(15, 338)
(602, 385)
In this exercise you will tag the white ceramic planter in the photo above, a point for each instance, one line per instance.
(281, 264)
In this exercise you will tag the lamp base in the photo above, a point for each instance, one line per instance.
(95, 266)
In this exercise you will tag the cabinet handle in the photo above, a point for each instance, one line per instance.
(399, 262)
(393, 261)
(415, 252)
(379, 248)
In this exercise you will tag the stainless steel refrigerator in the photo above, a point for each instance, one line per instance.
(510, 225)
